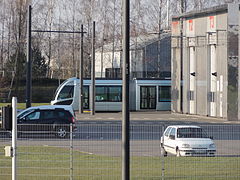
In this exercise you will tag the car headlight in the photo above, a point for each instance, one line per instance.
(185, 146)
(212, 145)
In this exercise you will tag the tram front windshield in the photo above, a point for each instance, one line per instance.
(66, 92)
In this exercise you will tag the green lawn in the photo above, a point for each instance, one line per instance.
(53, 163)
(23, 105)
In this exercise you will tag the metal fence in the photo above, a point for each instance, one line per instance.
(93, 151)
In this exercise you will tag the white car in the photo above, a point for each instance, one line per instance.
(186, 141)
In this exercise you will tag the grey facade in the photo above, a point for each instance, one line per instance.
(149, 57)
(205, 48)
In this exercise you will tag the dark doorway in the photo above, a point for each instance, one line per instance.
(147, 97)
(85, 97)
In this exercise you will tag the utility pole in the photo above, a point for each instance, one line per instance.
(113, 43)
(29, 60)
(29, 54)
(93, 72)
(168, 15)
(183, 6)
(125, 97)
(81, 74)
(159, 38)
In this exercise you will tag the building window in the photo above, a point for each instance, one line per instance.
(113, 73)
(164, 93)
(108, 94)
(211, 96)
(191, 95)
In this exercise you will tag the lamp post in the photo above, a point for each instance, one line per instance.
(125, 86)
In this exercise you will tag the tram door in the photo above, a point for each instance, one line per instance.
(85, 97)
(147, 97)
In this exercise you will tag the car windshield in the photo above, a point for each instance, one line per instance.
(191, 133)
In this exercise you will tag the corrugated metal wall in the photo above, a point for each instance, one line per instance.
(205, 64)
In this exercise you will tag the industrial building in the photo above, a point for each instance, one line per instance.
(205, 64)
(150, 57)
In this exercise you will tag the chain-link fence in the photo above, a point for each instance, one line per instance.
(93, 151)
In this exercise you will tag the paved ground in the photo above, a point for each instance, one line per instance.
(152, 115)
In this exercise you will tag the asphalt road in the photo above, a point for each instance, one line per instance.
(97, 137)
(150, 130)
(143, 130)
(101, 134)
(104, 137)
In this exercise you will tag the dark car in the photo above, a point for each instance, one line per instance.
(46, 120)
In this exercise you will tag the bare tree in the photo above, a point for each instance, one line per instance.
(19, 14)
(104, 26)
(49, 21)
(146, 17)
(3, 19)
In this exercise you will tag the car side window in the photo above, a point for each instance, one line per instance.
(25, 113)
(63, 114)
(49, 114)
(33, 116)
(167, 131)
(172, 133)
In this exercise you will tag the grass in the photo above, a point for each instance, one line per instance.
(53, 163)
(23, 105)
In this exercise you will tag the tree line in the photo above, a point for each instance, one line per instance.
(57, 55)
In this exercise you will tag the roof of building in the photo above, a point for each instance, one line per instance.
(199, 13)
(137, 42)
(145, 40)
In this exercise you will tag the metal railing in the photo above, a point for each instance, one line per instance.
(93, 151)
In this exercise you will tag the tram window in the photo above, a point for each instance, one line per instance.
(115, 94)
(108, 94)
(66, 92)
(164, 93)
(101, 93)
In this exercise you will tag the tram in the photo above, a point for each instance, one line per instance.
(145, 94)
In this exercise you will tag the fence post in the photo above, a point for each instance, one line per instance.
(163, 163)
(14, 138)
(71, 151)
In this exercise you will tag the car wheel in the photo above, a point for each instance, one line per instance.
(178, 154)
(163, 152)
(62, 132)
